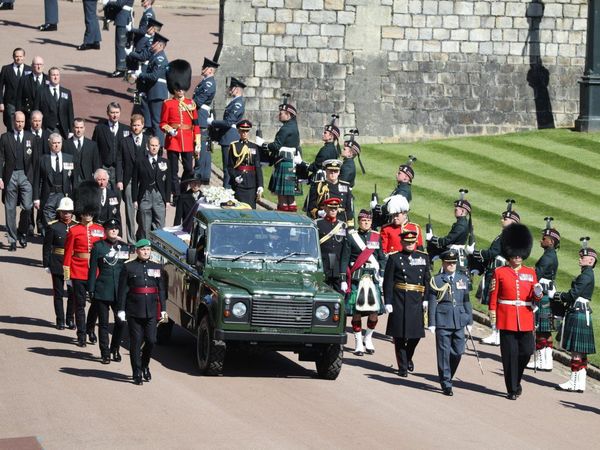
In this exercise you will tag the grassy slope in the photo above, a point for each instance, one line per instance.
(551, 172)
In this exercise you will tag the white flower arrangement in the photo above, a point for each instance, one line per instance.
(218, 194)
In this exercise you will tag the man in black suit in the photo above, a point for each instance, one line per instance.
(9, 84)
(131, 148)
(18, 166)
(29, 88)
(54, 179)
(151, 189)
(37, 129)
(56, 104)
(110, 205)
(107, 135)
(84, 152)
(188, 198)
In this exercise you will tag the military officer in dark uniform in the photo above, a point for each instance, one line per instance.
(348, 170)
(450, 312)
(332, 186)
(244, 168)
(203, 96)
(107, 259)
(332, 236)
(545, 268)
(234, 112)
(457, 236)
(404, 178)
(405, 290)
(329, 151)
(142, 298)
(140, 53)
(192, 191)
(123, 19)
(53, 254)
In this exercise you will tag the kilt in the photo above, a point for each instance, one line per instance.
(350, 304)
(283, 180)
(543, 316)
(577, 335)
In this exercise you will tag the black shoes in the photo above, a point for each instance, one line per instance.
(106, 359)
(402, 373)
(138, 381)
(146, 374)
(116, 356)
(70, 324)
(448, 391)
(60, 326)
(48, 27)
(117, 73)
(92, 337)
(511, 396)
(12, 247)
(81, 342)
(519, 391)
(411, 366)
(23, 241)
(93, 46)
(4, 5)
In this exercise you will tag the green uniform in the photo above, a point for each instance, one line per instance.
(545, 269)
(328, 151)
(283, 180)
(348, 171)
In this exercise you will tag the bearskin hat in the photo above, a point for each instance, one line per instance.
(87, 198)
(516, 240)
(179, 75)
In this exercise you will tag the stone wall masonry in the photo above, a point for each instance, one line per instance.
(408, 69)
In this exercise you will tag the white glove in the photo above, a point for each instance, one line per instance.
(469, 329)
(121, 315)
(474, 272)
(344, 286)
(47, 269)
(129, 26)
(69, 283)
(259, 141)
(551, 292)
(104, 2)
(210, 120)
(198, 148)
(469, 249)
(428, 235)
(389, 309)
(373, 204)
(298, 158)
(164, 316)
(128, 50)
(537, 290)
(432, 329)
(239, 179)
(173, 132)
(259, 190)
(425, 306)
(137, 73)
(321, 213)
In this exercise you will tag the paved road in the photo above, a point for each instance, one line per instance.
(65, 397)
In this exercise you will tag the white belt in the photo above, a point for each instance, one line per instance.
(457, 247)
(205, 108)
(162, 80)
(515, 302)
(585, 302)
(127, 8)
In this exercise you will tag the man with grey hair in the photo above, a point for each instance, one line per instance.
(30, 85)
(54, 179)
(110, 205)
(18, 164)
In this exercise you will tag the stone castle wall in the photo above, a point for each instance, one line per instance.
(408, 69)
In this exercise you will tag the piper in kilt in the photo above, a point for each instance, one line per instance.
(545, 269)
(364, 263)
(577, 334)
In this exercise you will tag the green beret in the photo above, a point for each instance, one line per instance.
(142, 243)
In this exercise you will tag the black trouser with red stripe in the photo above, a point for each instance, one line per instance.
(516, 347)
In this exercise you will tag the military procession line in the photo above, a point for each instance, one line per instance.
(49, 166)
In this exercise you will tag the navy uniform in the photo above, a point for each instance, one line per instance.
(243, 166)
(332, 235)
(405, 288)
(449, 312)
(91, 36)
(123, 19)
(107, 259)
(204, 95)
(326, 189)
(141, 41)
(53, 254)
(50, 16)
(234, 112)
(152, 83)
(577, 333)
(147, 16)
(545, 269)
(142, 298)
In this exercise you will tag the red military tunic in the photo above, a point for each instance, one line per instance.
(513, 299)
(183, 117)
(78, 245)
(390, 236)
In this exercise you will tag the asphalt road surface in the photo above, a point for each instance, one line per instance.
(56, 395)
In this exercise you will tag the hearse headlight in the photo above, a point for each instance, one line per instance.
(322, 313)
(239, 309)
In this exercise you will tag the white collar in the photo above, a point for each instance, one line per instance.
(54, 87)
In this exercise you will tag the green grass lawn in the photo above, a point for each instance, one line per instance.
(548, 173)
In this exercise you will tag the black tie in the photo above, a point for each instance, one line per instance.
(56, 164)
(451, 279)
(19, 72)
(19, 138)
(78, 144)
(56, 94)
(154, 163)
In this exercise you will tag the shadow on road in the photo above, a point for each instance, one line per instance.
(580, 407)
(486, 355)
(21, 261)
(365, 363)
(531, 378)
(78, 68)
(12, 23)
(64, 353)
(27, 321)
(48, 41)
(107, 91)
(35, 336)
(408, 382)
(40, 291)
(96, 373)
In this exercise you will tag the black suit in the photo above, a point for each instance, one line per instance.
(50, 190)
(9, 84)
(185, 203)
(44, 145)
(57, 115)
(87, 160)
(27, 93)
(108, 144)
(111, 208)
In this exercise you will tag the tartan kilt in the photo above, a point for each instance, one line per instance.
(543, 316)
(578, 336)
(283, 180)
(350, 303)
